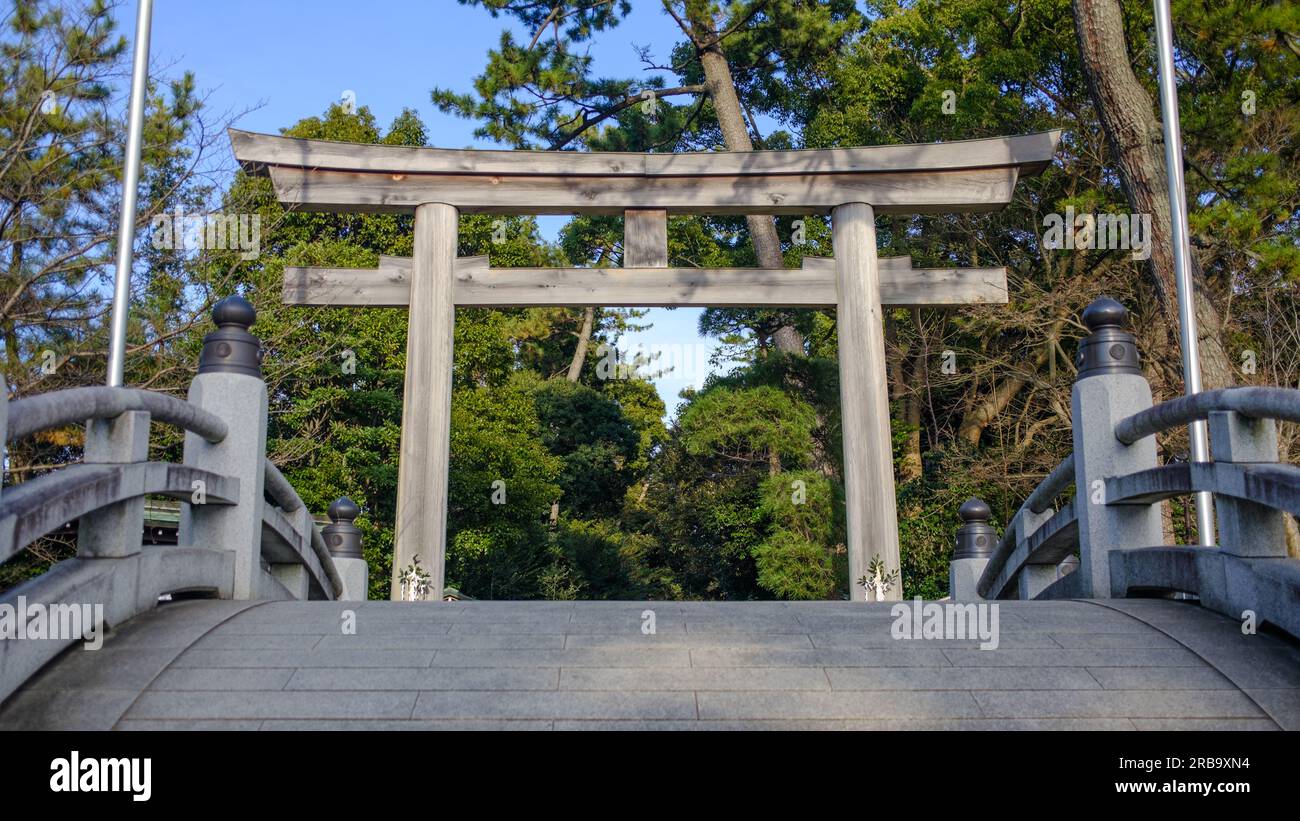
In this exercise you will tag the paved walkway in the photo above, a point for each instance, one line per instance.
(1133, 664)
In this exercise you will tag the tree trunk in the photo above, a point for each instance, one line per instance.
(911, 467)
(584, 339)
(975, 420)
(979, 417)
(575, 371)
(1135, 138)
(726, 105)
(908, 387)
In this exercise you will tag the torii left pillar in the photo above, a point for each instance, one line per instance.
(422, 476)
(871, 510)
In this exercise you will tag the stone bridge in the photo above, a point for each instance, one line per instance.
(1076, 617)
(1110, 665)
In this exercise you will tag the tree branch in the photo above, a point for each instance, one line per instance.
(588, 121)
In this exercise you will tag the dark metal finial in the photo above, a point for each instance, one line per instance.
(344, 509)
(975, 510)
(234, 310)
(1109, 349)
(976, 539)
(231, 348)
(342, 536)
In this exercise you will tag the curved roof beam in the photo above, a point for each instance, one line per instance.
(969, 175)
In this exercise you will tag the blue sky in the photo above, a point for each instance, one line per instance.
(289, 60)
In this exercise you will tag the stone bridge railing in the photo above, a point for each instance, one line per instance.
(244, 532)
(1112, 519)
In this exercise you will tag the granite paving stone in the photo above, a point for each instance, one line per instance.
(481, 665)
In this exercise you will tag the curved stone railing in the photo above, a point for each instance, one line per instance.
(287, 527)
(1031, 538)
(244, 532)
(279, 490)
(37, 508)
(57, 409)
(1113, 520)
(1282, 404)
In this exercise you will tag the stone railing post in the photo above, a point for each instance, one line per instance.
(1033, 578)
(229, 384)
(976, 541)
(1110, 387)
(344, 542)
(117, 530)
(1246, 528)
(295, 577)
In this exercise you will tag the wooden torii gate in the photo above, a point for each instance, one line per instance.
(851, 184)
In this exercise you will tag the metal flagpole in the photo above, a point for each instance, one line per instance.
(1182, 255)
(130, 182)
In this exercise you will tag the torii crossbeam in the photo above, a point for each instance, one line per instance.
(851, 184)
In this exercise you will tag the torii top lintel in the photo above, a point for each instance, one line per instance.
(969, 175)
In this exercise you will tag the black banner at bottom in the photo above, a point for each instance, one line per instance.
(472, 772)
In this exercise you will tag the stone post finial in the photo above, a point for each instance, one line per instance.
(1109, 348)
(344, 542)
(1109, 389)
(231, 348)
(342, 537)
(976, 541)
(229, 385)
(976, 538)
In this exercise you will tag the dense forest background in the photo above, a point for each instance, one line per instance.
(607, 494)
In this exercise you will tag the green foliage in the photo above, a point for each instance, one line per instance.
(502, 479)
(588, 431)
(566, 484)
(796, 561)
(748, 425)
(737, 519)
(501, 560)
(603, 561)
(794, 568)
(496, 438)
(802, 502)
(61, 149)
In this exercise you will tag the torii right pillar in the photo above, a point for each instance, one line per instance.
(870, 507)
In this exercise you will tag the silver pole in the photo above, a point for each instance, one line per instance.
(1182, 255)
(130, 184)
